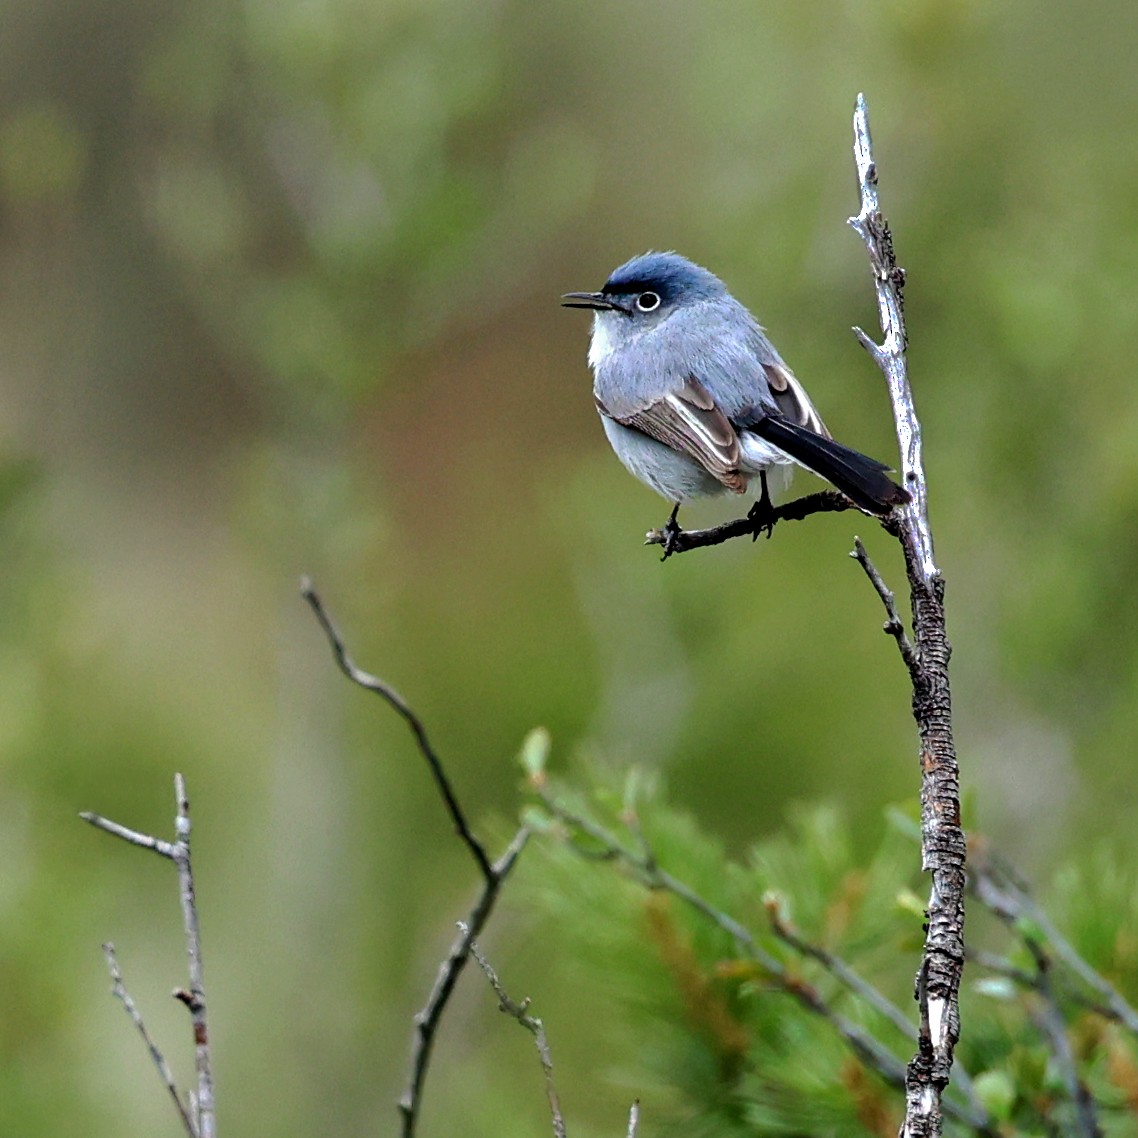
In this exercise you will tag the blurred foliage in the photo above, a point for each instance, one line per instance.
(716, 1041)
(280, 296)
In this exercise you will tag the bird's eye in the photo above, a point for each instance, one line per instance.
(648, 301)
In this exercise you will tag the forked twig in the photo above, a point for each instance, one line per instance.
(200, 1121)
(494, 874)
(119, 991)
(520, 1012)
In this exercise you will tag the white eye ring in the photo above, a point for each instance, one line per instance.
(648, 301)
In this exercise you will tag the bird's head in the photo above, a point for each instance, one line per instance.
(649, 288)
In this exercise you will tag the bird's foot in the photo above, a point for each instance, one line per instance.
(672, 534)
(762, 515)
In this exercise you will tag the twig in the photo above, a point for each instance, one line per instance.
(494, 874)
(651, 875)
(427, 1021)
(203, 1115)
(532, 1024)
(836, 966)
(395, 700)
(942, 838)
(1049, 1019)
(999, 890)
(857, 984)
(633, 1118)
(647, 870)
(135, 837)
(119, 991)
(1001, 966)
(822, 502)
(996, 887)
(893, 625)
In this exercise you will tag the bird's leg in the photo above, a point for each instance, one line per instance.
(671, 533)
(761, 514)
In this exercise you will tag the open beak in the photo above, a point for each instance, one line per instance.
(596, 300)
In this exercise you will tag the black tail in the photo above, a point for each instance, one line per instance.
(862, 479)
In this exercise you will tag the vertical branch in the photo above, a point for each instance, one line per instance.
(200, 1121)
(194, 999)
(942, 838)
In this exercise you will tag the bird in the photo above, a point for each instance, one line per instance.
(696, 401)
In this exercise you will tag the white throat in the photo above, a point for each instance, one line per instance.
(601, 345)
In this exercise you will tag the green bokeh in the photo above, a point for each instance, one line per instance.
(280, 296)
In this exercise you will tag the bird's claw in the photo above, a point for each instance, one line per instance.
(672, 533)
(761, 515)
(762, 520)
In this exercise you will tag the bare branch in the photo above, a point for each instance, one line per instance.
(942, 838)
(822, 502)
(119, 991)
(1001, 966)
(889, 283)
(837, 967)
(532, 1024)
(633, 1118)
(395, 700)
(427, 1021)
(998, 888)
(202, 1117)
(1049, 1019)
(494, 874)
(893, 625)
(135, 837)
(195, 998)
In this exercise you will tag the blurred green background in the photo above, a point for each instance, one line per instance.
(280, 288)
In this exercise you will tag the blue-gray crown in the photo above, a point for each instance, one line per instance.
(668, 274)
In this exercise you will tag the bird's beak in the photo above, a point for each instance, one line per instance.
(596, 300)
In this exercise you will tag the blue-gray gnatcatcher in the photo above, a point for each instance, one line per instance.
(696, 401)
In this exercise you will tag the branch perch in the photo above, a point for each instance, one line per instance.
(942, 838)
(823, 502)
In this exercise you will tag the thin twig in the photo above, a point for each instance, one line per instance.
(135, 837)
(893, 625)
(119, 991)
(394, 699)
(203, 1115)
(194, 999)
(494, 874)
(532, 1024)
(996, 886)
(1117, 1004)
(857, 984)
(427, 1021)
(648, 871)
(999, 890)
(633, 1118)
(650, 874)
(822, 502)
(942, 837)
(836, 966)
(1001, 966)
(1049, 1019)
